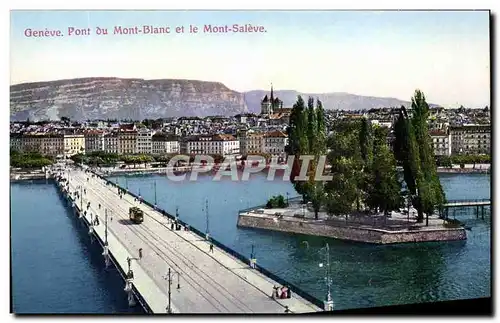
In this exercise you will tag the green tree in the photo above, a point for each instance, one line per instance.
(413, 150)
(298, 142)
(365, 140)
(321, 128)
(316, 193)
(385, 189)
(312, 127)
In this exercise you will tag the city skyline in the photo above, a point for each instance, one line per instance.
(370, 53)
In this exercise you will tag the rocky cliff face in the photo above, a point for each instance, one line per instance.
(115, 98)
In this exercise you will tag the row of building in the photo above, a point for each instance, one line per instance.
(128, 140)
(468, 139)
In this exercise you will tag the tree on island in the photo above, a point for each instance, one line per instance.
(307, 136)
(364, 175)
(384, 190)
(298, 143)
(413, 150)
(346, 167)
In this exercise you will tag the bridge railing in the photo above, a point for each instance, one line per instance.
(468, 201)
(265, 272)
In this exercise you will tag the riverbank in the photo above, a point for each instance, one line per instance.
(27, 175)
(374, 229)
(159, 170)
(467, 169)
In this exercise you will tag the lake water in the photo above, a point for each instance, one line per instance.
(363, 275)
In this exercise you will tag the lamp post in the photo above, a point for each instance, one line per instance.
(329, 300)
(207, 232)
(155, 194)
(105, 227)
(130, 274)
(168, 277)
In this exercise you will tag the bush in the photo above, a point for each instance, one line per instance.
(276, 202)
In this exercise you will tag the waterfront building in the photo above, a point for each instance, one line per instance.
(255, 143)
(251, 142)
(218, 144)
(275, 143)
(74, 144)
(144, 142)
(111, 142)
(441, 142)
(94, 141)
(16, 141)
(127, 142)
(470, 139)
(162, 143)
(50, 144)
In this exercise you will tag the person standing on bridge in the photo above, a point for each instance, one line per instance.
(140, 253)
(211, 247)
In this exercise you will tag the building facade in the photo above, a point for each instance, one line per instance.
(144, 142)
(111, 142)
(275, 143)
(471, 139)
(50, 144)
(220, 144)
(441, 143)
(162, 143)
(127, 142)
(74, 144)
(16, 141)
(255, 143)
(94, 141)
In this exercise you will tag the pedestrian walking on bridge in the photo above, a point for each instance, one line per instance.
(211, 247)
(140, 253)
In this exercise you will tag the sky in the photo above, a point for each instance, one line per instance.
(446, 54)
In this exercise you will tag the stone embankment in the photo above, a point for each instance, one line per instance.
(351, 232)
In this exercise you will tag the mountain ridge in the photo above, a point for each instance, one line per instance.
(138, 98)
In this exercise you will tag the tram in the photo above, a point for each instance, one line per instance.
(136, 215)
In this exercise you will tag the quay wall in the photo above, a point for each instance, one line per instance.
(68, 200)
(262, 270)
(367, 235)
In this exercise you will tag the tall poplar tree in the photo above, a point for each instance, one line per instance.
(413, 150)
(312, 127)
(321, 128)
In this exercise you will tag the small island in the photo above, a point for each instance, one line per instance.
(367, 199)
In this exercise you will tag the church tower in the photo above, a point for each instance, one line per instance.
(270, 105)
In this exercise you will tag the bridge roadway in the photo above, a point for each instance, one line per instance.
(210, 282)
